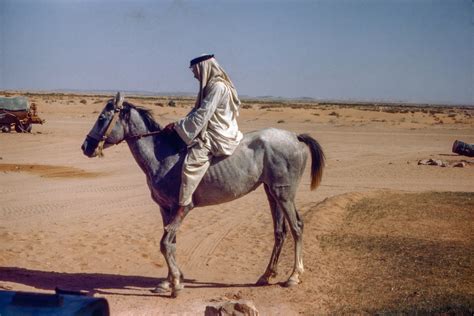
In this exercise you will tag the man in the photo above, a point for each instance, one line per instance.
(210, 129)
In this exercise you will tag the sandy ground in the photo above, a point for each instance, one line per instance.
(90, 224)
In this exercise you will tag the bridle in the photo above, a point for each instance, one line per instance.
(118, 107)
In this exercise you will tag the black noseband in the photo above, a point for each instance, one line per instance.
(89, 146)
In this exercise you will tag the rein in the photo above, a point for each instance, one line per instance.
(141, 135)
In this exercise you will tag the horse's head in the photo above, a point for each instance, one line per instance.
(107, 130)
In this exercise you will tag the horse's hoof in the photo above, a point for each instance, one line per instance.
(160, 290)
(176, 290)
(262, 281)
(163, 287)
(290, 283)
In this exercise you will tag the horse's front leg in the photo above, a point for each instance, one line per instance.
(164, 286)
(168, 249)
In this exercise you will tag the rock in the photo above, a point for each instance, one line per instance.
(433, 162)
(441, 163)
(460, 164)
(424, 162)
(232, 308)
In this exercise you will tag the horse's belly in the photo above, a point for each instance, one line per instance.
(228, 180)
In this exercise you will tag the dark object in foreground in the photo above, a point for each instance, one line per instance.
(28, 303)
(17, 113)
(463, 148)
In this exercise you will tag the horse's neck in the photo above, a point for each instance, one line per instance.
(153, 154)
(143, 149)
(143, 152)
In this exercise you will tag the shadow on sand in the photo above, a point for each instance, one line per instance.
(110, 284)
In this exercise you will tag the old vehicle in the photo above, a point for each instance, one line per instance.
(17, 113)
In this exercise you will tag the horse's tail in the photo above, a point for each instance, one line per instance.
(317, 157)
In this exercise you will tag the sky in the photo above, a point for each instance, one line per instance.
(365, 50)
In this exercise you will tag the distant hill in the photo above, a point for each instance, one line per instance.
(265, 98)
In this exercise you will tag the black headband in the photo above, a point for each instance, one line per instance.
(197, 60)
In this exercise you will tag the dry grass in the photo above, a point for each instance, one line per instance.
(404, 253)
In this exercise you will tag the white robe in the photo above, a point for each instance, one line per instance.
(213, 122)
(210, 129)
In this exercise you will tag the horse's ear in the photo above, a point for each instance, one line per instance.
(118, 102)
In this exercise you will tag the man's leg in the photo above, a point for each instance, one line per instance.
(195, 165)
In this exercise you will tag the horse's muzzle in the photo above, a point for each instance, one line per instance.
(89, 147)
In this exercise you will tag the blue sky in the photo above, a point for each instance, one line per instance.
(394, 50)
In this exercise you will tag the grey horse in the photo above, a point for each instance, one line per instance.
(274, 157)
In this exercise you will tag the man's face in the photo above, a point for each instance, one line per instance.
(195, 72)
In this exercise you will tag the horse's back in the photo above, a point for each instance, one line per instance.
(271, 156)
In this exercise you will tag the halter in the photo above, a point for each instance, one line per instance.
(118, 107)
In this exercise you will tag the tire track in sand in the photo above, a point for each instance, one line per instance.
(203, 234)
(196, 247)
(32, 207)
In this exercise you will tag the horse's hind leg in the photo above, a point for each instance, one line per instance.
(279, 228)
(285, 199)
(296, 226)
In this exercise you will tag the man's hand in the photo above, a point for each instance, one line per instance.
(169, 128)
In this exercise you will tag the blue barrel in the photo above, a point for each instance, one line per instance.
(462, 148)
(27, 303)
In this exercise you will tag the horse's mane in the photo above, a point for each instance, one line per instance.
(147, 116)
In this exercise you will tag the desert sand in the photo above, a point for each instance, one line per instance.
(89, 224)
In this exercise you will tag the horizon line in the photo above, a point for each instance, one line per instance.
(144, 93)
